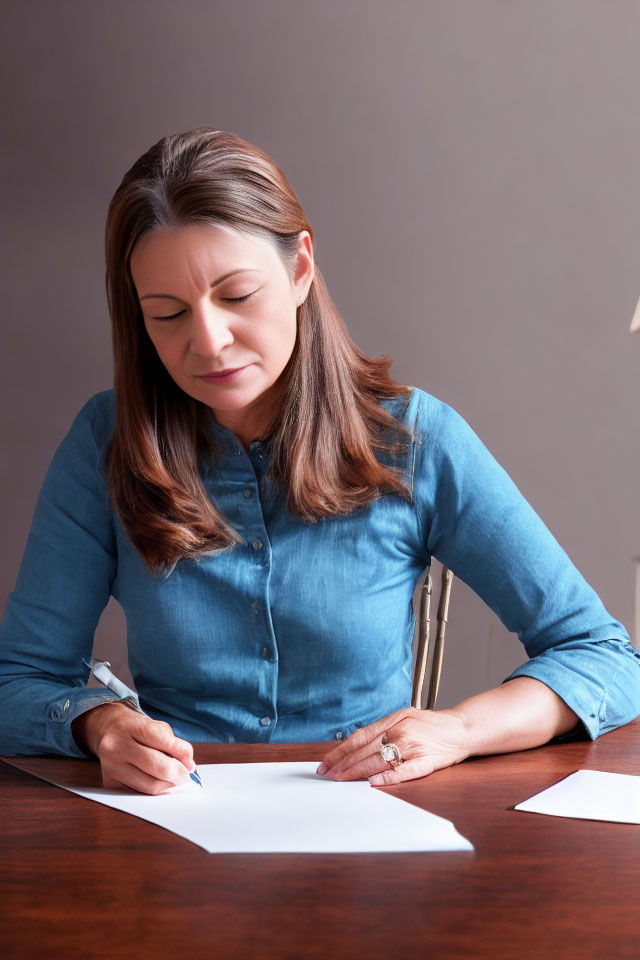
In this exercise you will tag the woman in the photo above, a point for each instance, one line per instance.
(261, 499)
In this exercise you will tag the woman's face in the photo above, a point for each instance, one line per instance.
(213, 300)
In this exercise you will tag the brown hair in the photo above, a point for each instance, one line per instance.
(330, 421)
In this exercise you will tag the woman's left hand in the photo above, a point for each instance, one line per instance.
(427, 740)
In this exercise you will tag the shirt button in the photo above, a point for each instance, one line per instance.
(255, 606)
(257, 544)
(338, 735)
(265, 653)
(265, 721)
(248, 493)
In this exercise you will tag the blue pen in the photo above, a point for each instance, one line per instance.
(101, 669)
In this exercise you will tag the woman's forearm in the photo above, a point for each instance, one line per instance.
(520, 714)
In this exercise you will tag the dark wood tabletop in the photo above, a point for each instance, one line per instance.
(81, 880)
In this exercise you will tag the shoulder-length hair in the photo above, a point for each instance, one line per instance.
(330, 421)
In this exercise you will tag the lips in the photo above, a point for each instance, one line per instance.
(223, 376)
(221, 373)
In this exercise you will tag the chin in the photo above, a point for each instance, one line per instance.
(218, 399)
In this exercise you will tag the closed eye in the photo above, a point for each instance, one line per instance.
(239, 299)
(174, 316)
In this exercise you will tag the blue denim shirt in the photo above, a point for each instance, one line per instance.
(304, 631)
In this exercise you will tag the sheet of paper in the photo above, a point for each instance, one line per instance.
(590, 795)
(278, 808)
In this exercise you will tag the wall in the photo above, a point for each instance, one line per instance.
(471, 172)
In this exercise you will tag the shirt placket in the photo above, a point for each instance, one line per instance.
(259, 547)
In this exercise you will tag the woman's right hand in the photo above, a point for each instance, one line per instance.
(134, 750)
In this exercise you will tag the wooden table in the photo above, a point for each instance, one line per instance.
(81, 880)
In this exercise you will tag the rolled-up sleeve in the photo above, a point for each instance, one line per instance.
(479, 525)
(63, 584)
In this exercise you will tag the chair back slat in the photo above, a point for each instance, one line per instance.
(424, 640)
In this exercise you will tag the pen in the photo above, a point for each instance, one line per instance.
(101, 669)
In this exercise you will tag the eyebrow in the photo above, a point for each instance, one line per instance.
(170, 296)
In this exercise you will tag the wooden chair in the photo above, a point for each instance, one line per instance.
(424, 644)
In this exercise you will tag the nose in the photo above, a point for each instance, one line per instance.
(210, 332)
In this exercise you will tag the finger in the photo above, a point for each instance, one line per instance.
(410, 770)
(366, 766)
(156, 734)
(157, 764)
(182, 750)
(159, 736)
(132, 778)
(355, 760)
(359, 739)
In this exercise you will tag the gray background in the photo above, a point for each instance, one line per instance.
(471, 169)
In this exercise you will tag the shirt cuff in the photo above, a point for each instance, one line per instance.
(62, 711)
(598, 680)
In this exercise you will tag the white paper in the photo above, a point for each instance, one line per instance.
(281, 808)
(590, 795)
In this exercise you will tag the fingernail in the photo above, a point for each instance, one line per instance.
(376, 780)
(322, 769)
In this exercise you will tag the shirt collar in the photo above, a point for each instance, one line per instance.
(230, 443)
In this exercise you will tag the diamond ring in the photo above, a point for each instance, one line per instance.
(390, 754)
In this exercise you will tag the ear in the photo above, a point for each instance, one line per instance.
(305, 266)
(635, 323)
